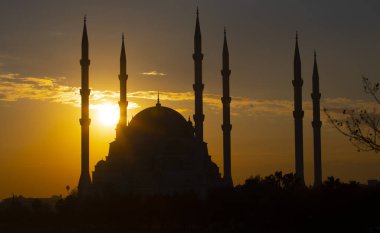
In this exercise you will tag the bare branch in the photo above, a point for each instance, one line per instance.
(361, 127)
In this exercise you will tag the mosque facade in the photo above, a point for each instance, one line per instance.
(158, 151)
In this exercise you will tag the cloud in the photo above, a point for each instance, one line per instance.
(336, 106)
(239, 105)
(153, 73)
(8, 76)
(14, 87)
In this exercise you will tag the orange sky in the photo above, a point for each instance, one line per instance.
(40, 76)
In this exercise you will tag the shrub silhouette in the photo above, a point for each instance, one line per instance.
(275, 203)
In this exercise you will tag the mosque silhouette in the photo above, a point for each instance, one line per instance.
(160, 152)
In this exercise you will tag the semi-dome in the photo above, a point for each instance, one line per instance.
(159, 121)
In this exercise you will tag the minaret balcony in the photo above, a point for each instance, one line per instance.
(84, 62)
(85, 92)
(315, 96)
(316, 124)
(226, 127)
(198, 118)
(123, 77)
(198, 56)
(297, 82)
(226, 72)
(84, 121)
(226, 100)
(298, 114)
(198, 87)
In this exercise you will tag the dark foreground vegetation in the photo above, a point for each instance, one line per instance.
(272, 204)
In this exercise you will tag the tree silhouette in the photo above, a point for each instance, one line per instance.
(274, 203)
(360, 126)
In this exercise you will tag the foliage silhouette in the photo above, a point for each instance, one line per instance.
(275, 203)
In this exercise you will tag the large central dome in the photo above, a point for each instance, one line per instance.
(160, 121)
(157, 154)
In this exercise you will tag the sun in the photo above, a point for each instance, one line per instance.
(107, 114)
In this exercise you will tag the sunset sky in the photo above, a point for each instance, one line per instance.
(40, 80)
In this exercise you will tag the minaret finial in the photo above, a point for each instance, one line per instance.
(158, 99)
(225, 37)
(122, 54)
(315, 70)
(225, 51)
(197, 11)
(297, 58)
(85, 18)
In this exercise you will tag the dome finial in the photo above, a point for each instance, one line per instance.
(189, 122)
(158, 99)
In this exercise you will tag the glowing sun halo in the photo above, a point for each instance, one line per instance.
(108, 114)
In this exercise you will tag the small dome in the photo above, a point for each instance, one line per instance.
(159, 121)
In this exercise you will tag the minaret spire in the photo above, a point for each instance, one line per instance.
(226, 126)
(198, 85)
(298, 114)
(123, 103)
(158, 104)
(316, 96)
(85, 50)
(85, 179)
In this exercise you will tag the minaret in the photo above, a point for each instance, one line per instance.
(85, 179)
(298, 114)
(123, 103)
(316, 96)
(226, 127)
(198, 85)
